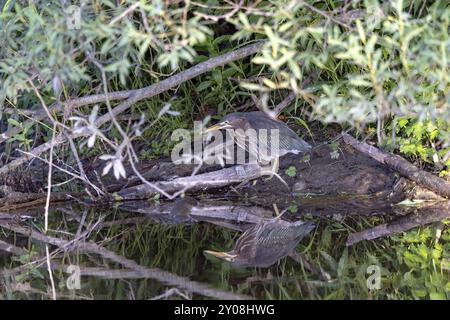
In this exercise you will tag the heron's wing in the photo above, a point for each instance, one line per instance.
(245, 244)
(277, 241)
(288, 139)
(279, 234)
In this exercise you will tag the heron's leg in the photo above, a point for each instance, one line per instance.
(276, 165)
(272, 168)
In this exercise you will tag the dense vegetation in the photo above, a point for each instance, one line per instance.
(379, 69)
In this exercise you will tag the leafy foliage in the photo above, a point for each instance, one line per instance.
(381, 67)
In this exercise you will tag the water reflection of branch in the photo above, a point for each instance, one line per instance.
(424, 215)
(10, 248)
(153, 273)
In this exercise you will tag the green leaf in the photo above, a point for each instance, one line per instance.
(342, 265)
(293, 208)
(437, 296)
(14, 122)
(291, 171)
(204, 85)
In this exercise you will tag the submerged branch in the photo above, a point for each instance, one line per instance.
(424, 215)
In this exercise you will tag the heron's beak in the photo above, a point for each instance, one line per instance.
(221, 255)
(217, 127)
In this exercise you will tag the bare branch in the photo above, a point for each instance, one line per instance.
(324, 14)
(424, 215)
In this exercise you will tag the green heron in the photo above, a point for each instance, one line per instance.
(288, 140)
(265, 243)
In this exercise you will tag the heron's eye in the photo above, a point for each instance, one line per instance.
(226, 122)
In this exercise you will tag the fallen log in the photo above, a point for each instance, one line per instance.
(402, 166)
(19, 200)
(215, 179)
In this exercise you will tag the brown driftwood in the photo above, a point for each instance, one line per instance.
(404, 167)
(423, 215)
(213, 179)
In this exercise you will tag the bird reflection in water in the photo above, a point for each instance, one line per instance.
(265, 243)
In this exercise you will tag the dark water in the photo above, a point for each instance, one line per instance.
(151, 249)
(177, 248)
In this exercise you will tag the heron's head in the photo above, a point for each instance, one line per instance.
(227, 256)
(231, 121)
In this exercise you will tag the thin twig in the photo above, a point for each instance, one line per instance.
(47, 206)
(226, 16)
(324, 14)
(80, 167)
